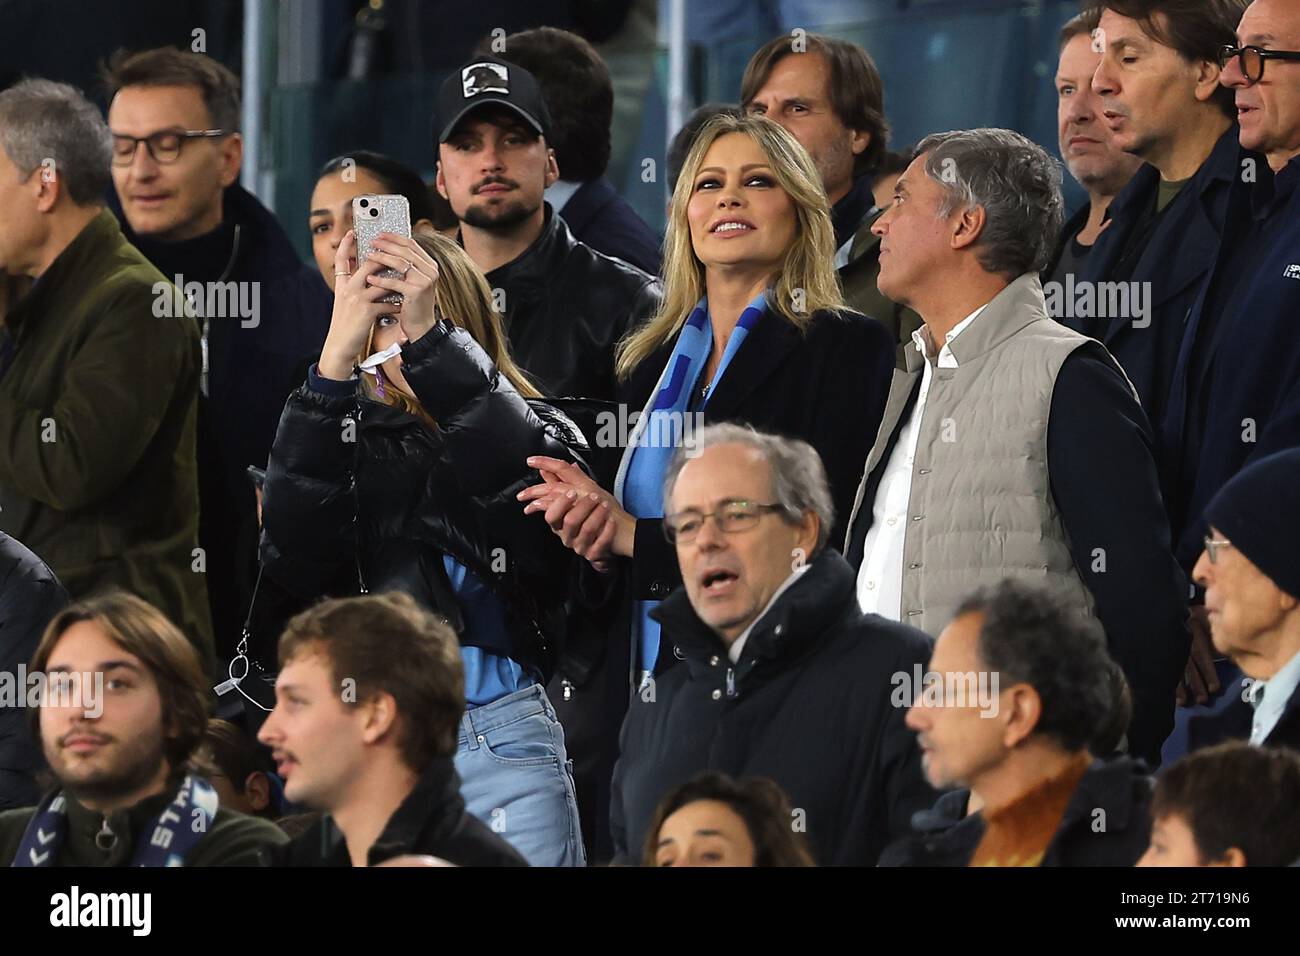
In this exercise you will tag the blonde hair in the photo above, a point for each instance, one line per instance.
(809, 265)
(463, 298)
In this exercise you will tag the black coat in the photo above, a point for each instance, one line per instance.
(30, 596)
(827, 386)
(809, 704)
(1237, 386)
(1120, 788)
(250, 371)
(432, 821)
(601, 218)
(1175, 260)
(566, 306)
(379, 513)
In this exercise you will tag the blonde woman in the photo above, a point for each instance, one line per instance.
(752, 329)
(394, 469)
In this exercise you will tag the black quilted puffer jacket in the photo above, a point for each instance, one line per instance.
(30, 597)
(363, 497)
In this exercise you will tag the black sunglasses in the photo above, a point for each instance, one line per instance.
(1251, 59)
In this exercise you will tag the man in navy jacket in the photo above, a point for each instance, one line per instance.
(1236, 387)
(1167, 109)
(1236, 393)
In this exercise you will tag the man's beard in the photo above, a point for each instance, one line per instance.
(833, 161)
(136, 764)
(501, 218)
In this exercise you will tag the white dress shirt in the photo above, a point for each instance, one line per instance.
(880, 578)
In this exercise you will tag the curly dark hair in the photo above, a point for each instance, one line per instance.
(1029, 637)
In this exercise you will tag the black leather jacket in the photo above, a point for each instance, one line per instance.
(566, 307)
(360, 496)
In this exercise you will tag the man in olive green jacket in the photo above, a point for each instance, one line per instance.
(99, 374)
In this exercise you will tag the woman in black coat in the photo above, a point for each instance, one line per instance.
(405, 480)
(752, 329)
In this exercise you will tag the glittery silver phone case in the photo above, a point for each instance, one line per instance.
(373, 214)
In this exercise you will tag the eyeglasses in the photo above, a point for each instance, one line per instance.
(1212, 546)
(1251, 59)
(164, 146)
(732, 516)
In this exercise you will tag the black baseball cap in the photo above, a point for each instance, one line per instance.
(487, 79)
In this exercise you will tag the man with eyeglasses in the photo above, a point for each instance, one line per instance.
(1236, 394)
(781, 675)
(262, 315)
(97, 391)
(1252, 596)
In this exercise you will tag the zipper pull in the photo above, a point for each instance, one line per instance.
(105, 839)
(731, 682)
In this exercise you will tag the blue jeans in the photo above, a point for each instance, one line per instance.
(516, 777)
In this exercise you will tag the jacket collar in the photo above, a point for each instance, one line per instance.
(79, 266)
(249, 245)
(432, 808)
(864, 240)
(1219, 167)
(770, 341)
(793, 626)
(1273, 191)
(586, 201)
(1108, 785)
(1015, 307)
(538, 264)
(126, 823)
(948, 811)
(853, 207)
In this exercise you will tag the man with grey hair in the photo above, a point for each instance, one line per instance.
(776, 658)
(1011, 446)
(97, 392)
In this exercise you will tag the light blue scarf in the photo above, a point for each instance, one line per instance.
(640, 483)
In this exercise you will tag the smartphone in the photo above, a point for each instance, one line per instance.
(373, 214)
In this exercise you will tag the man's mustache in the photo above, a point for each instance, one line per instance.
(496, 181)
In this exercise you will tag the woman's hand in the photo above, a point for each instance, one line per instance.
(356, 309)
(588, 519)
(417, 284)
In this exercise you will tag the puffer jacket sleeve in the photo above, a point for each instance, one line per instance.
(487, 431)
(30, 597)
(308, 505)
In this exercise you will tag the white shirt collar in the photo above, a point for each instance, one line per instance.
(1269, 698)
(738, 644)
(560, 192)
(922, 339)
